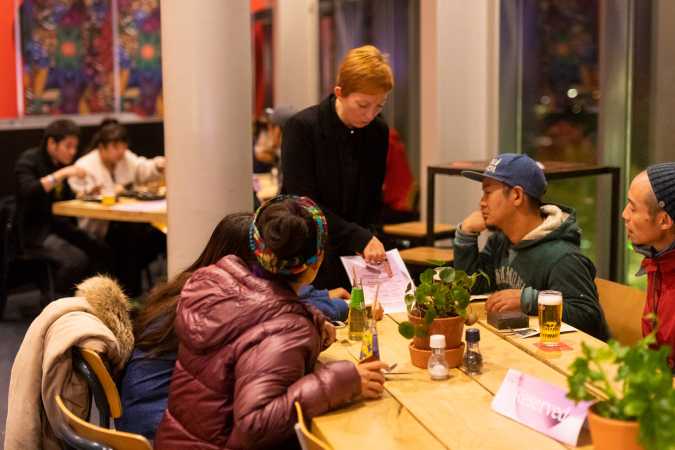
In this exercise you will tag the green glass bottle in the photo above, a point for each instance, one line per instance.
(358, 316)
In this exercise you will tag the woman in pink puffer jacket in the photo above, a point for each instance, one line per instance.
(248, 347)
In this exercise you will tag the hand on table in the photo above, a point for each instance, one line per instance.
(339, 293)
(327, 335)
(504, 300)
(378, 311)
(372, 380)
(374, 252)
(474, 223)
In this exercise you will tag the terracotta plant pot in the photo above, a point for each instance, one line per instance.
(420, 357)
(451, 327)
(612, 434)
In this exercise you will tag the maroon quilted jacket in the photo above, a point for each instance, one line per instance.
(248, 351)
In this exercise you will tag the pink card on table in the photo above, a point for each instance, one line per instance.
(540, 406)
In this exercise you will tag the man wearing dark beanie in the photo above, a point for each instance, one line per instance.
(650, 225)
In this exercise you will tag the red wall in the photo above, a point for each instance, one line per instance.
(8, 97)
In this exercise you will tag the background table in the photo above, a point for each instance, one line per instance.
(125, 210)
(554, 170)
(419, 413)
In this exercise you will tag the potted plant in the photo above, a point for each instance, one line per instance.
(640, 412)
(438, 306)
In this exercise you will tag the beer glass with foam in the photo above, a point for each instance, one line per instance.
(550, 317)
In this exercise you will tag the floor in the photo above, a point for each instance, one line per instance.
(21, 309)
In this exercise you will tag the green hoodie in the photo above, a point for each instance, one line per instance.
(548, 258)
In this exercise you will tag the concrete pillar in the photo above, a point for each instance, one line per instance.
(206, 67)
(459, 76)
(296, 53)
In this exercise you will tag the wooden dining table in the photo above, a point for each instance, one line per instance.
(418, 413)
(125, 210)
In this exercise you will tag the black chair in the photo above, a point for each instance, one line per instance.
(20, 267)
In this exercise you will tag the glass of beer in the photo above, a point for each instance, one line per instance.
(550, 317)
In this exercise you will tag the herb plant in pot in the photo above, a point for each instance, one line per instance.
(639, 410)
(438, 306)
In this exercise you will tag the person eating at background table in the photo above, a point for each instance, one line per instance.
(336, 152)
(650, 226)
(110, 168)
(534, 246)
(40, 174)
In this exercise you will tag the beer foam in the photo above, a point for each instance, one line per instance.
(549, 298)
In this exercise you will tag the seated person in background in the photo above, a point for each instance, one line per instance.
(144, 386)
(650, 226)
(267, 146)
(111, 167)
(40, 175)
(248, 348)
(535, 247)
(399, 190)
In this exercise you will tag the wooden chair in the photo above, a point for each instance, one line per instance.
(307, 440)
(82, 435)
(623, 306)
(104, 391)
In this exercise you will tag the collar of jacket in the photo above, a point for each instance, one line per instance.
(331, 125)
(663, 263)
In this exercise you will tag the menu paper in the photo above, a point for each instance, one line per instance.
(392, 277)
(541, 406)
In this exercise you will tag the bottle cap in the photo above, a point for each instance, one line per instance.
(472, 335)
(357, 299)
(437, 341)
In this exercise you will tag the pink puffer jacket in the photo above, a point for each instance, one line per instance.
(248, 350)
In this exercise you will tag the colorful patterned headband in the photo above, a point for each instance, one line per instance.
(294, 266)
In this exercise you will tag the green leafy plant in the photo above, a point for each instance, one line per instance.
(645, 390)
(443, 292)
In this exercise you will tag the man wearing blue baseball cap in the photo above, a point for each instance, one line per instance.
(535, 246)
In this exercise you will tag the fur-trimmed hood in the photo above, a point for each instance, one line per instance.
(111, 305)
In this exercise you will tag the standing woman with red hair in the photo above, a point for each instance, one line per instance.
(336, 152)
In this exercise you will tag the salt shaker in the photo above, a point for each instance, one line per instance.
(438, 365)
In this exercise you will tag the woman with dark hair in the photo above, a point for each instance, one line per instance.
(248, 347)
(111, 167)
(144, 386)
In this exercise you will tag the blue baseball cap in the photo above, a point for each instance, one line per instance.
(514, 170)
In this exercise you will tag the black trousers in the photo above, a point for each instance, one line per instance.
(134, 245)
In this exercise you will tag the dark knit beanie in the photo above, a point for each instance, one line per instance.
(662, 178)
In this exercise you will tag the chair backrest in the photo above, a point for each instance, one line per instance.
(623, 307)
(91, 367)
(83, 435)
(8, 244)
(307, 440)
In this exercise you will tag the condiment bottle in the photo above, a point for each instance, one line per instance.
(438, 365)
(358, 316)
(473, 360)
